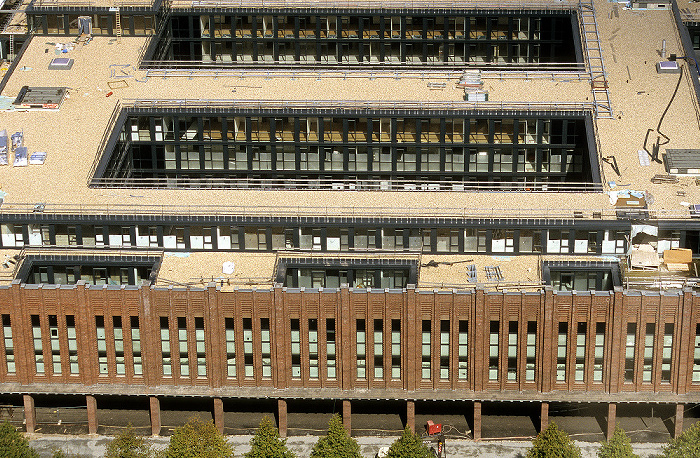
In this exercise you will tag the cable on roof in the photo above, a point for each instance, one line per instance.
(655, 155)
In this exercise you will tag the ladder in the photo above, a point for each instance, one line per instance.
(118, 24)
(11, 51)
(594, 59)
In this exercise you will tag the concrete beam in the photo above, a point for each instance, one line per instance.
(91, 404)
(477, 421)
(282, 417)
(347, 414)
(411, 415)
(678, 426)
(219, 414)
(544, 416)
(29, 413)
(612, 420)
(155, 415)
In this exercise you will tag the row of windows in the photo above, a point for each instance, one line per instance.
(239, 159)
(310, 129)
(102, 24)
(258, 238)
(444, 349)
(394, 27)
(319, 277)
(357, 52)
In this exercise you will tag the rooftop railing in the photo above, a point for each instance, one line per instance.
(377, 4)
(115, 211)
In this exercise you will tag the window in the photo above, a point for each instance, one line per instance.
(182, 345)
(513, 351)
(629, 351)
(165, 347)
(463, 351)
(599, 352)
(265, 349)
(38, 346)
(55, 346)
(230, 348)
(529, 241)
(395, 349)
(493, 350)
(101, 345)
(118, 344)
(330, 348)
(313, 348)
(445, 349)
(667, 353)
(248, 347)
(378, 349)
(296, 348)
(136, 345)
(502, 241)
(648, 362)
(199, 346)
(9, 344)
(531, 351)
(425, 351)
(361, 340)
(580, 369)
(561, 352)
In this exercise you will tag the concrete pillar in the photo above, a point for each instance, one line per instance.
(219, 414)
(477, 421)
(544, 416)
(155, 415)
(29, 413)
(612, 420)
(411, 415)
(678, 429)
(282, 417)
(347, 416)
(91, 403)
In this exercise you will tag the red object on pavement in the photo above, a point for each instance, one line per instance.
(434, 428)
(109, 93)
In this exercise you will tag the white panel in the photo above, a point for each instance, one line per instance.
(169, 241)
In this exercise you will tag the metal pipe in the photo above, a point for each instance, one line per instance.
(663, 48)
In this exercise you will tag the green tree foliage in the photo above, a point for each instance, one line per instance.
(13, 444)
(687, 445)
(617, 447)
(552, 442)
(128, 445)
(337, 443)
(198, 439)
(267, 442)
(409, 445)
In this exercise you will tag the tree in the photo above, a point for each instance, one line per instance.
(128, 445)
(409, 445)
(198, 439)
(553, 442)
(617, 447)
(684, 446)
(337, 443)
(267, 442)
(13, 444)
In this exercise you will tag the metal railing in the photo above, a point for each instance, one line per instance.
(344, 184)
(109, 211)
(90, 3)
(325, 105)
(379, 4)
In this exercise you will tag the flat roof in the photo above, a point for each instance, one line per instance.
(71, 135)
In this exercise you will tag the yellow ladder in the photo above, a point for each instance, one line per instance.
(118, 25)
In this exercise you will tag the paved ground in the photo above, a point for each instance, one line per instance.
(94, 446)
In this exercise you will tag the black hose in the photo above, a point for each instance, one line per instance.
(661, 120)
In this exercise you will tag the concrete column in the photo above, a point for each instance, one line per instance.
(347, 412)
(91, 403)
(411, 415)
(477, 421)
(29, 413)
(544, 416)
(155, 415)
(612, 419)
(678, 429)
(219, 414)
(282, 417)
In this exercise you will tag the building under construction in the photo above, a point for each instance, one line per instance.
(463, 213)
